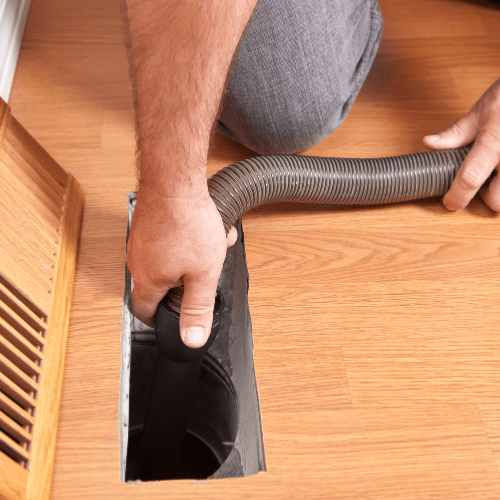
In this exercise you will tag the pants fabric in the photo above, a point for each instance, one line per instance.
(297, 70)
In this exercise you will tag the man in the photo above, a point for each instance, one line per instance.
(294, 77)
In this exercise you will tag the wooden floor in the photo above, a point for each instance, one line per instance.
(377, 344)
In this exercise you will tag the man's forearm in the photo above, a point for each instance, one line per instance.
(180, 53)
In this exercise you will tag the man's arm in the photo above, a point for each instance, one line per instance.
(180, 53)
(482, 125)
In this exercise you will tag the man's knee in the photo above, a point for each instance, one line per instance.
(290, 125)
(297, 72)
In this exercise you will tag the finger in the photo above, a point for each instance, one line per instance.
(461, 133)
(231, 237)
(197, 312)
(144, 301)
(476, 168)
(491, 193)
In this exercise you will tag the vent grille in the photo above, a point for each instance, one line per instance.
(22, 340)
(31, 209)
(40, 214)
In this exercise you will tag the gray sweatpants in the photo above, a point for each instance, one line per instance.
(297, 70)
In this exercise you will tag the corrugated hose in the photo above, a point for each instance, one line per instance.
(246, 184)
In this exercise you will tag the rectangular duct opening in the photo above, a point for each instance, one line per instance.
(218, 443)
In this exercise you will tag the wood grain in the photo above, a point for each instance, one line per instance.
(13, 479)
(4, 120)
(375, 329)
(47, 412)
(39, 230)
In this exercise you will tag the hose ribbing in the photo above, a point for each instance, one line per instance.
(242, 186)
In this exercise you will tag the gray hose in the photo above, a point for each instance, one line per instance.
(242, 186)
(331, 181)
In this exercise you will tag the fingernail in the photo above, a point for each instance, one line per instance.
(433, 138)
(194, 336)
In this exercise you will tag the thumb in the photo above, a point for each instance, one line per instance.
(231, 237)
(197, 312)
(461, 133)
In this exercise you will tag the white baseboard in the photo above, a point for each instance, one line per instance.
(13, 17)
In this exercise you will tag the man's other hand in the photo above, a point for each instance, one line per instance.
(481, 125)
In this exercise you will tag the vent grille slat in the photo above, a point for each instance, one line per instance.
(17, 339)
(18, 432)
(12, 448)
(42, 297)
(11, 408)
(15, 356)
(18, 309)
(21, 305)
(16, 393)
(20, 325)
(17, 375)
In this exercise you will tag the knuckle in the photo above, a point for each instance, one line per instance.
(456, 129)
(489, 138)
(471, 178)
(197, 310)
(210, 275)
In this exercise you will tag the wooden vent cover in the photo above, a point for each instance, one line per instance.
(40, 213)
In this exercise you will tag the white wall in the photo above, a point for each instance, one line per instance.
(13, 17)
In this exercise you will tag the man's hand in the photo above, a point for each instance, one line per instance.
(175, 241)
(482, 125)
(180, 54)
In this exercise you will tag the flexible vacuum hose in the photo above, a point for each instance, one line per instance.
(235, 190)
(331, 181)
(246, 184)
